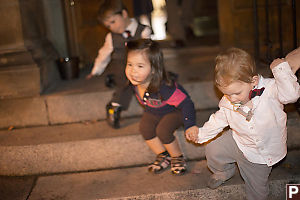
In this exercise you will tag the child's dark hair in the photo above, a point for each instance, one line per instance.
(155, 56)
(110, 7)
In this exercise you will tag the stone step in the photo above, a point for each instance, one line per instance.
(136, 183)
(81, 100)
(16, 58)
(93, 146)
(61, 108)
(19, 81)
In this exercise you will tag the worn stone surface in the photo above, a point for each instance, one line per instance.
(92, 146)
(16, 188)
(80, 100)
(19, 81)
(23, 112)
(137, 183)
(11, 26)
(80, 147)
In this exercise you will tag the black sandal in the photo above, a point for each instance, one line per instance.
(161, 163)
(178, 165)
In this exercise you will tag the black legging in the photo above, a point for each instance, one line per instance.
(163, 127)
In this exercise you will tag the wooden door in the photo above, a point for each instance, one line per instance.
(85, 35)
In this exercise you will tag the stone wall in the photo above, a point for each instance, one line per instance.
(19, 74)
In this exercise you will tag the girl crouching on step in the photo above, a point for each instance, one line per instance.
(167, 105)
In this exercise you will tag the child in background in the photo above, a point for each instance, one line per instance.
(114, 16)
(167, 105)
(252, 106)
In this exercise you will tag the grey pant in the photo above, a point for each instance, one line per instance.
(222, 154)
(123, 92)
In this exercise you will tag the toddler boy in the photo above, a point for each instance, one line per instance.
(252, 106)
(114, 16)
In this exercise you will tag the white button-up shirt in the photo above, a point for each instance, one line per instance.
(262, 139)
(104, 53)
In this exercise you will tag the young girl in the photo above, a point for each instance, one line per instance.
(167, 104)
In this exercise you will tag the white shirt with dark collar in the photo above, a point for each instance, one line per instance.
(104, 53)
(262, 139)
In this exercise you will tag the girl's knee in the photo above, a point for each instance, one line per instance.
(165, 136)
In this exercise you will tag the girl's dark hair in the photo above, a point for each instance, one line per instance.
(155, 56)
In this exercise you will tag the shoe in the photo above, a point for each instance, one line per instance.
(214, 183)
(113, 115)
(161, 163)
(178, 165)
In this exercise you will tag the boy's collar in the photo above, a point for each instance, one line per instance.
(131, 27)
(260, 85)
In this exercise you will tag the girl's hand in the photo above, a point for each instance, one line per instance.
(276, 62)
(191, 134)
(293, 58)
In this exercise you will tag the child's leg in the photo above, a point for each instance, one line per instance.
(158, 147)
(120, 101)
(155, 145)
(165, 129)
(165, 132)
(173, 148)
(222, 152)
(220, 157)
(255, 177)
(122, 95)
(147, 128)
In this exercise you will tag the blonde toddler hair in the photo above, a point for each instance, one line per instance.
(234, 65)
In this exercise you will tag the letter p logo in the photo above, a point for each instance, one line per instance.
(293, 191)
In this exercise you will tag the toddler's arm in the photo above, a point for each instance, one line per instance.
(191, 134)
(293, 58)
(103, 57)
(216, 123)
(287, 87)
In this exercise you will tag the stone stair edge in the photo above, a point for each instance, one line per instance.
(84, 130)
(59, 109)
(122, 183)
(88, 155)
(234, 191)
(95, 129)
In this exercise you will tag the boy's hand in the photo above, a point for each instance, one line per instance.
(191, 134)
(89, 76)
(276, 62)
(293, 58)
